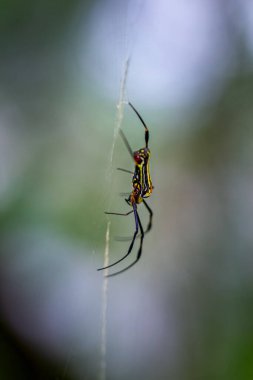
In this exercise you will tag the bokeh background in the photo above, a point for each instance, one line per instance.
(184, 312)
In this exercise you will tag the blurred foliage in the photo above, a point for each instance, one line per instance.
(36, 22)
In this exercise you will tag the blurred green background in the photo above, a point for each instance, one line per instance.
(184, 312)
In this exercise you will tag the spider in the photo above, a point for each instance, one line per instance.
(142, 188)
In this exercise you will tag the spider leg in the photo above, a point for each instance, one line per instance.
(138, 253)
(143, 123)
(146, 132)
(125, 170)
(125, 194)
(137, 221)
(126, 143)
(149, 226)
(118, 213)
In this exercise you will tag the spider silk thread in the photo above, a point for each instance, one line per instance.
(118, 122)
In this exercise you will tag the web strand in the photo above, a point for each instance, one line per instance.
(118, 122)
(102, 375)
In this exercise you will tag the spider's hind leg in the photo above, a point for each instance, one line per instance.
(142, 234)
(148, 228)
(137, 224)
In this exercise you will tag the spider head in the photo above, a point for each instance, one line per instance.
(141, 155)
(138, 158)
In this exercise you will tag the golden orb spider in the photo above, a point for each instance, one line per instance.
(142, 188)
